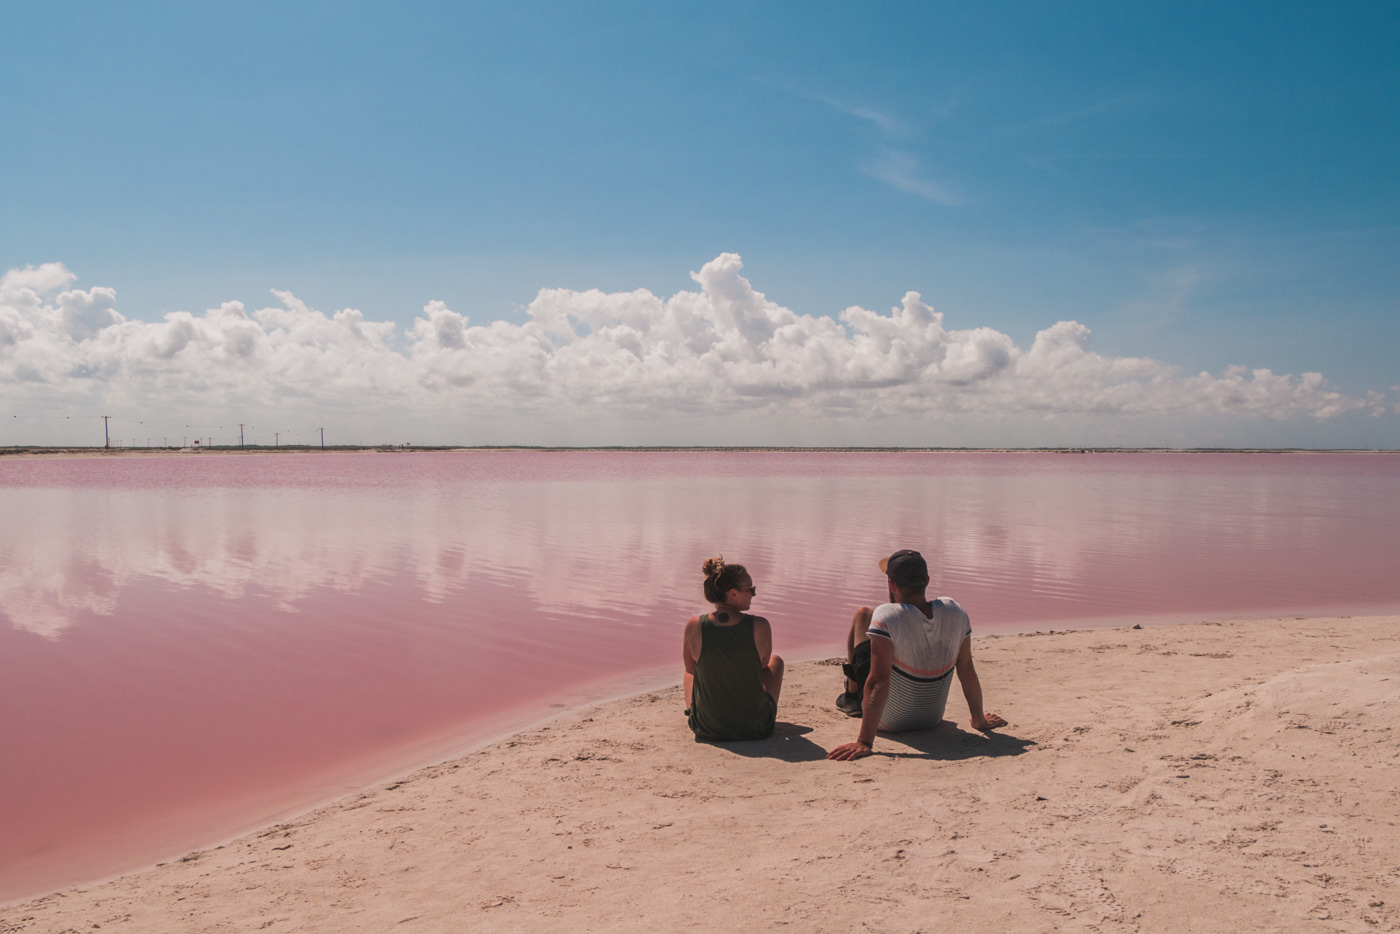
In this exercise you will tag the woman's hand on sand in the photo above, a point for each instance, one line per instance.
(989, 721)
(856, 750)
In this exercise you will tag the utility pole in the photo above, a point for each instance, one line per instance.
(323, 438)
(275, 436)
(106, 435)
(240, 435)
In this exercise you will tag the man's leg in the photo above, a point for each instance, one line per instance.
(857, 665)
(857, 634)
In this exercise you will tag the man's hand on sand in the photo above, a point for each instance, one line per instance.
(856, 750)
(989, 721)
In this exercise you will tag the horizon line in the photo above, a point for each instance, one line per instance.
(13, 450)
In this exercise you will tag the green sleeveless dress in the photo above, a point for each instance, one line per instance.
(727, 700)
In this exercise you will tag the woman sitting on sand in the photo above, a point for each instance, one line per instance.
(732, 677)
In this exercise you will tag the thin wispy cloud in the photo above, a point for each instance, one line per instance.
(895, 167)
(901, 170)
(1069, 116)
(1169, 292)
(888, 124)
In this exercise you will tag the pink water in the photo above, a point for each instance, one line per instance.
(192, 645)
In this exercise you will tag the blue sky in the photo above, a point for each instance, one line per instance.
(1203, 189)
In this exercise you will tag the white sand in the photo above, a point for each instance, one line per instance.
(1211, 777)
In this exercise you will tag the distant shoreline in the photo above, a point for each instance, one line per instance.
(73, 451)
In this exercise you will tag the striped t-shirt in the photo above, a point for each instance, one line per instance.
(925, 650)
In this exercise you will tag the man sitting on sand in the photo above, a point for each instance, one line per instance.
(910, 648)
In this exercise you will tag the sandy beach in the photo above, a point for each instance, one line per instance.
(1208, 777)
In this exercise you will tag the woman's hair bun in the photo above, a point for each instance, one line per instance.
(720, 578)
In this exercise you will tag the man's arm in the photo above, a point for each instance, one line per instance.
(972, 689)
(877, 690)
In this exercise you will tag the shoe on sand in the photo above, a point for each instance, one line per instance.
(849, 704)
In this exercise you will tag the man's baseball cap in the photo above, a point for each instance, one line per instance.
(905, 567)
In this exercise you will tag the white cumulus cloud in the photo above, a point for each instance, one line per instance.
(586, 357)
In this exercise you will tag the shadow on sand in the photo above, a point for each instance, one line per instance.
(950, 743)
(946, 742)
(789, 743)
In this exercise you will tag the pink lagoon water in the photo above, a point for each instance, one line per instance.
(191, 646)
